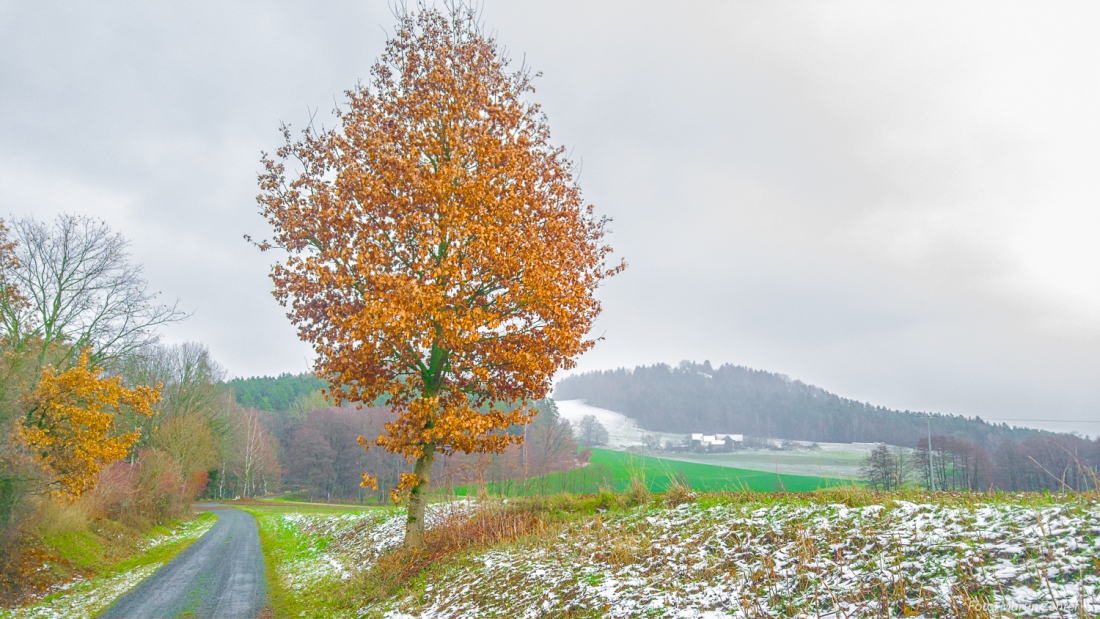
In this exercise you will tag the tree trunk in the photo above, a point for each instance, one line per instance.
(414, 526)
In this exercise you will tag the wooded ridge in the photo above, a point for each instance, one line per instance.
(696, 397)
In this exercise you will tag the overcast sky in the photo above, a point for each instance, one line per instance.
(897, 202)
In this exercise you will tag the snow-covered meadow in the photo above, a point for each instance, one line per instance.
(716, 558)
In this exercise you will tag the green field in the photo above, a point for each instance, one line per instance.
(616, 470)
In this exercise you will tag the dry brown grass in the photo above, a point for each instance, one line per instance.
(57, 517)
(850, 495)
(637, 493)
(21, 576)
(678, 492)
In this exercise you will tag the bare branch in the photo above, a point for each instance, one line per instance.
(81, 290)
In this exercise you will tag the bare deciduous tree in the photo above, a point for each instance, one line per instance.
(81, 290)
(187, 374)
(887, 469)
(549, 446)
(590, 432)
(248, 452)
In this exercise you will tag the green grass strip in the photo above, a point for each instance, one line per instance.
(284, 548)
(616, 470)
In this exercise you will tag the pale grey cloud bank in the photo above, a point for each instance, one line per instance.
(894, 202)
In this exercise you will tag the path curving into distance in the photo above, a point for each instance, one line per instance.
(219, 576)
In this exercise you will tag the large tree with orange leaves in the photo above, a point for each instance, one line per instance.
(439, 252)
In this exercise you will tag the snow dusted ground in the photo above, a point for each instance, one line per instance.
(791, 558)
(334, 545)
(82, 598)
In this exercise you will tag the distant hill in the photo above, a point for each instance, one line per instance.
(699, 398)
(274, 393)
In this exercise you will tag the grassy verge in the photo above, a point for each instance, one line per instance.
(617, 470)
(108, 567)
(841, 552)
(282, 504)
(301, 580)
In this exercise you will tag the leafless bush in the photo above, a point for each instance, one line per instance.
(141, 494)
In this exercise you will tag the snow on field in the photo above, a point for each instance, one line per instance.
(83, 598)
(790, 559)
(334, 545)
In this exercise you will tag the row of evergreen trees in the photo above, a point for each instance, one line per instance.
(274, 393)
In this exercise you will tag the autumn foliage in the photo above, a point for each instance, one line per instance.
(440, 254)
(70, 427)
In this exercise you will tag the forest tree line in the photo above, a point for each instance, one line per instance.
(285, 392)
(321, 460)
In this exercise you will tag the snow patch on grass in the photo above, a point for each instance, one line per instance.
(82, 598)
(191, 530)
(786, 559)
(334, 546)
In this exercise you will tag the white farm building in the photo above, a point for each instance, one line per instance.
(716, 439)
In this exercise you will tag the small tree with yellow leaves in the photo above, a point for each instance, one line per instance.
(70, 427)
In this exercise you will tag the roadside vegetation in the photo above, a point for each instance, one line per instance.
(105, 434)
(84, 566)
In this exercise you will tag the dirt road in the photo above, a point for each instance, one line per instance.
(219, 576)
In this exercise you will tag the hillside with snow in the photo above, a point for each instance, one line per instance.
(730, 557)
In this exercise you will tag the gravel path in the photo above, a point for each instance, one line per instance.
(219, 576)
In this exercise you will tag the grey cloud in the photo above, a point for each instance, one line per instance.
(891, 201)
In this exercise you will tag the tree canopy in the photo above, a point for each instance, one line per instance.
(78, 291)
(440, 253)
